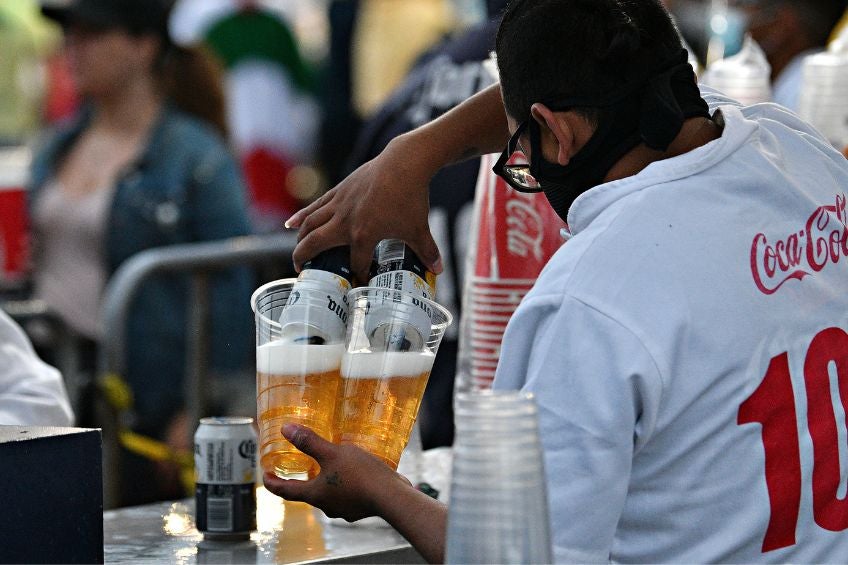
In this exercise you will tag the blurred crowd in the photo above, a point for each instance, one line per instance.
(124, 130)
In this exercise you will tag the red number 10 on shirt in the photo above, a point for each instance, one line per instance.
(773, 406)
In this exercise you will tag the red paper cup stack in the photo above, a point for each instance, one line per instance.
(514, 234)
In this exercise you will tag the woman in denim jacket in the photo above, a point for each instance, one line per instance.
(142, 166)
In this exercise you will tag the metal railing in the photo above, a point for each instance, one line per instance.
(198, 261)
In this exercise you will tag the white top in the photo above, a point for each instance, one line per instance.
(70, 239)
(31, 392)
(648, 338)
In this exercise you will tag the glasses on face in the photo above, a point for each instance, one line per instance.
(512, 165)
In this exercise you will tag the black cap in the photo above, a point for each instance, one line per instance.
(135, 16)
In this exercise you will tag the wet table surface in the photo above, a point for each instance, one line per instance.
(287, 532)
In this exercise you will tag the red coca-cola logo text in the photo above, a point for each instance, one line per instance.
(822, 241)
(524, 227)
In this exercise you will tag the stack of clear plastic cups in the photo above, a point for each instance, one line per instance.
(824, 92)
(744, 77)
(498, 510)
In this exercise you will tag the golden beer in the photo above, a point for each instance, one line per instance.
(379, 399)
(298, 384)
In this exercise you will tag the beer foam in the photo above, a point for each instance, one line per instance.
(281, 358)
(394, 363)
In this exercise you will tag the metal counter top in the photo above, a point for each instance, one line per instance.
(287, 532)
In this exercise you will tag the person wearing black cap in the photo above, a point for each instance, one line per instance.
(687, 346)
(144, 164)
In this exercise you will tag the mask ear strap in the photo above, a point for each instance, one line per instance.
(667, 101)
(661, 115)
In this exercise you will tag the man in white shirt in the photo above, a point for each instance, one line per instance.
(32, 393)
(688, 346)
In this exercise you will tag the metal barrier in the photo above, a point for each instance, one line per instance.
(197, 260)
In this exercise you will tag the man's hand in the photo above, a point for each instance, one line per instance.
(386, 197)
(350, 483)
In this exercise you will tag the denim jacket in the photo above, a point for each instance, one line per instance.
(185, 187)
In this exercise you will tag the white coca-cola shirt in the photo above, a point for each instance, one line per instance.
(686, 347)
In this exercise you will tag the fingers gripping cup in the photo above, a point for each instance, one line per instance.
(384, 370)
(300, 329)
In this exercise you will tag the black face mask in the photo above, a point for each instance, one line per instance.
(651, 111)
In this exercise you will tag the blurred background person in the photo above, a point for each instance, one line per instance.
(372, 47)
(24, 42)
(388, 37)
(272, 108)
(32, 393)
(144, 164)
(788, 31)
(340, 123)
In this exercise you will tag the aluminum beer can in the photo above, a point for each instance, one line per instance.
(391, 325)
(225, 477)
(397, 267)
(317, 308)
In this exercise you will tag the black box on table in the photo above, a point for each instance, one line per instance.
(51, 488)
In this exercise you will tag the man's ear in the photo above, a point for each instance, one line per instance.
(560, 132)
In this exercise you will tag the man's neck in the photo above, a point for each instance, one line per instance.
(694, 133)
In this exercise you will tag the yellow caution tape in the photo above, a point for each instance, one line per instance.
(119, 394)
(117, 391)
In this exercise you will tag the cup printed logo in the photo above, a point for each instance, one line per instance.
(532, 233)
(823, 240)
(525, 228)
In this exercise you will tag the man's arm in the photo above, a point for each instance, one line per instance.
(387, 197)
(353, 484)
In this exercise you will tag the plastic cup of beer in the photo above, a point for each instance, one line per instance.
(392, 340)
(297, 372)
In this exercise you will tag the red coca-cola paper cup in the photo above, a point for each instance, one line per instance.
(514, 236)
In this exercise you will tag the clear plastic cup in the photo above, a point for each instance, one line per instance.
(823, 101)
(498, 510)
(392, 340)
(745, 77)
(296, 381)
